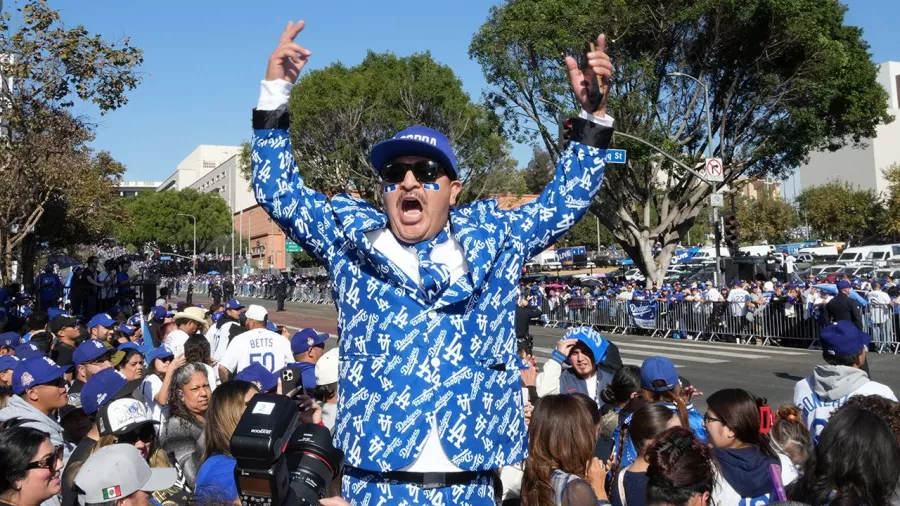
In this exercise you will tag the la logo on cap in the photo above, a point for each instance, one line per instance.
(112, 493)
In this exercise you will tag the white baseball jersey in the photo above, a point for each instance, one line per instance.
(271, 350)
(817, 411)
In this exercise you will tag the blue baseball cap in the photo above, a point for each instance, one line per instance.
(89, 350)
(257, 374)
(35, 371)
(104, 387)
(271, 327)
(162, 352)
(159, 312)
(416, 141)
(127, 330)
(305, 339)
(233, 304)
(842, 284)
(658, 369)
(216, 316)
(101, 319)
(842, 338)
(27, 350)
(10, 339)
(134, 321)
(592, 339)
(8, 362)
(128, 346)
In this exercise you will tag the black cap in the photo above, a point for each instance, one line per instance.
(60, 322)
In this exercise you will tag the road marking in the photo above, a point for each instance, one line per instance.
(626, 361)
(718, 346)
(623, 345)
(673, 356)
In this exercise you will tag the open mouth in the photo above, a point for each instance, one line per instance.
(410, 209)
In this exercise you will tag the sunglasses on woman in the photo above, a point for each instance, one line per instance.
(50, 462)
(144, 433)
(425, 171)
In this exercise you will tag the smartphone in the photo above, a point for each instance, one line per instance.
(604, 448)
(290, 379)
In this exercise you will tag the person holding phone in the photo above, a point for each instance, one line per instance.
(427, 326)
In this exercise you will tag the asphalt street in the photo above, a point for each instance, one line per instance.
(766, 371)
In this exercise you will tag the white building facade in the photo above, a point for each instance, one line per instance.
(202, 160)
(863, 167)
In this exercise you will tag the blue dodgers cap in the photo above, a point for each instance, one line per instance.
(842, 284)
(101, 389)
(592, 339)
(233, 304)
(27, 350)
(843, 338)
(159, 312)
(416, 141)
(127, 330)
(128, 346)
(215, 317)
(89, 350)
(257, 374)
(10, 339)
(134, 321)
(101, 319)
(271, 327)
(658, 369)
(162, 352)
(35, 371)
(305, 339)
(8, 362)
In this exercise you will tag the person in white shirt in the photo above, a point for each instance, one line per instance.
(844, 351)
(880, 310)
(189, 322)
(738, 298)
(789, 262)
(258, 344)
(227, 328)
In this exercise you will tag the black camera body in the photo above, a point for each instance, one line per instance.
(279, 459)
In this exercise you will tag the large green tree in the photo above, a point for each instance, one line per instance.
(155, 219)
(890, 225)
(338, 113)
(539, 170)
(765, 218)
(45, 161)
(840, 211)
(785, 77)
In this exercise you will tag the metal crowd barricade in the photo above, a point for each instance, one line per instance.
(789, 324)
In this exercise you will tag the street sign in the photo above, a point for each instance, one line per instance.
(292, 247)
(164, 258)
(714, 171)
(616, 156)
(717, 200)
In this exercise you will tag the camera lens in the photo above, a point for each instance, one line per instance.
(313, 461)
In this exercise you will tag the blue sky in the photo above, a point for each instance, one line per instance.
(203, 60)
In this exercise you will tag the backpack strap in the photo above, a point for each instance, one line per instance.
(620, 483)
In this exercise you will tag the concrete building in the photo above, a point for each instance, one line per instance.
(203, 159)
(267, 243)
(132, 188)
(226, 180)
(863, 167)
(756, 188)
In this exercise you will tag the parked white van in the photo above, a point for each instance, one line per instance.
(708, 254)
(820, 251)
(757, 251)
(881, 255)
(854, 255)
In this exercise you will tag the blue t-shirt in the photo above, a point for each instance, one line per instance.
(215, 480)
(635, 485)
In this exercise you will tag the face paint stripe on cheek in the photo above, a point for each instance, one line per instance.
(431, 186)
(390, 188)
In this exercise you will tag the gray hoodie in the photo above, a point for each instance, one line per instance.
(832, 382)
(18, 408)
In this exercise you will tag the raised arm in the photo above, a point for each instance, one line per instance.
(304, 214)
(579, 173)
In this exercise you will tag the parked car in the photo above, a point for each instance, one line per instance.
(634, 275)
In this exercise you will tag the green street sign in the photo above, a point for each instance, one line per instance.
(292, 247)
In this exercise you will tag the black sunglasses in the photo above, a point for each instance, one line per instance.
(425, 171)
(49, 462)
(144, 433)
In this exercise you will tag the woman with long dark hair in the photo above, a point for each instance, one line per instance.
(856, 462)
(630, 484)
(182, 433)
(561, 468)
(738, 425)
(680, 470)
(30, 467)
(215, 479)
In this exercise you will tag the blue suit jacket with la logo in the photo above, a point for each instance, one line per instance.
(404, 361)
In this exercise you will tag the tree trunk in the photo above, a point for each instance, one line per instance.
(28, 251)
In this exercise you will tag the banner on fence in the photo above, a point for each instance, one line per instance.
(643, 312)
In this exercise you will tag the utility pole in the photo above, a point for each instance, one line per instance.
(194, 219)
(709, 147)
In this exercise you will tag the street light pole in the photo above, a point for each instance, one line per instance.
(709, 148)
(194, 219)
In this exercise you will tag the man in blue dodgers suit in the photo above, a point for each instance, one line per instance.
(430, 400)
